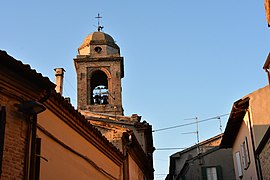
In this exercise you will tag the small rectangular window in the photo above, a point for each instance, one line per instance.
(247, 158)
(238, 163)
(211, 173)
(38, 150)
(245, 154)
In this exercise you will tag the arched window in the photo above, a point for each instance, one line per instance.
(99, 88)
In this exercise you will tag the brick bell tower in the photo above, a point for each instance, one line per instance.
(100, 69)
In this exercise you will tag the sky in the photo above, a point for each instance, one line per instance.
(183, 59)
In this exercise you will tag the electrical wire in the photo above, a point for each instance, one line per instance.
(187, 124)
(166, 149)
(70, 84)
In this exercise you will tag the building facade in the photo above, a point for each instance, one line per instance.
(202, 162)
(246, 127)
(247, 132)
(43, 137)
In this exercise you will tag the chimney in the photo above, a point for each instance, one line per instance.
(59, 76)
(266, 67)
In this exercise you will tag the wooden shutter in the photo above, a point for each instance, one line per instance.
(2, 134)
(204, 175)
(238, 163)
(219, 173)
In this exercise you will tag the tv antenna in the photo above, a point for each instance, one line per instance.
(220, 125)
(99, 26)
(195, 132)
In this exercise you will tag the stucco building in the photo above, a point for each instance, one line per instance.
(247, 133)
(203, 161)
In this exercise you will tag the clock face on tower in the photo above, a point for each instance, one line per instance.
(98, 49)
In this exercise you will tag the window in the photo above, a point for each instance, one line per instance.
(38, 149)
(245, 154)
(212, 173)
(238, 163)
(2, 134)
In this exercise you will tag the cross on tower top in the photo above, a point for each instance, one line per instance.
(99, 26)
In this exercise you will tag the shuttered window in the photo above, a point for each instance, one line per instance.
(2, 134)
(246, 157)
(38, 156)
(212, 173)
(239, 165)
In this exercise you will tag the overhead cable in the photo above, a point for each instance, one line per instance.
(187, 124)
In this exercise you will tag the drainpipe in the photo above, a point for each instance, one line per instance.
(127, 141)
(257, 164)
(31, 109)
(59, 76)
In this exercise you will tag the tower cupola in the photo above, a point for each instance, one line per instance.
(100, 69)
(99, 44)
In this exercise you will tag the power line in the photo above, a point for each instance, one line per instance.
(187, 124)
(165, 149)
(70, 84)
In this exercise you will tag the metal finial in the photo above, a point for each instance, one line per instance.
(99, 26)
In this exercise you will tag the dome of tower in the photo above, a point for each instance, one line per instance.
(98, 38)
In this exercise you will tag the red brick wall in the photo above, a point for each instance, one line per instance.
(14, 141)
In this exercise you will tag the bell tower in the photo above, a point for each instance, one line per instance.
(99, 69)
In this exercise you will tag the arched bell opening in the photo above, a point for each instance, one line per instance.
(99, 88)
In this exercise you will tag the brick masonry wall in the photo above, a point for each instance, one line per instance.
(85, 67)
(265, 161)
(14, 141)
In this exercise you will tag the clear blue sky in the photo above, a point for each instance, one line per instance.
(183, 59)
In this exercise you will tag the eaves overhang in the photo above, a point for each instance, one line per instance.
(234, 123)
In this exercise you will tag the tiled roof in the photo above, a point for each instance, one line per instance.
(31, 74)
(24, 69)
(82, 121)
(200, 144)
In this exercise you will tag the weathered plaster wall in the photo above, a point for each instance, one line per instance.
(222, 158)
(135, 173)
(244, 131)
(65, 164)
(260, 112)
